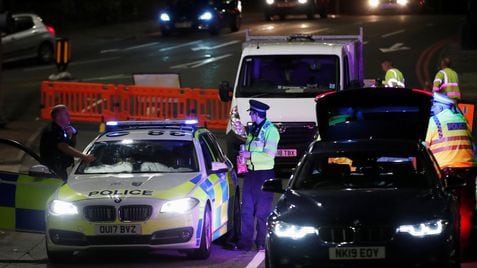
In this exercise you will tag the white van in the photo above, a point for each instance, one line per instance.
(287, 73)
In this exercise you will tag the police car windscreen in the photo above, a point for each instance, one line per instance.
(348, 170)
(288, 75)
(128, 156)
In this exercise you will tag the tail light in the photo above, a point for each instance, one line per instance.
(51, 30)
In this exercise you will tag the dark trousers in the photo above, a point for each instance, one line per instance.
(255, 203)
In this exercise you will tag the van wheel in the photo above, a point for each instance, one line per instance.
(45, 53)
(203, 252)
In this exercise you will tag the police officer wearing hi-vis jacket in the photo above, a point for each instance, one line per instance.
(260, 151)
(447, 81)
(450, 141)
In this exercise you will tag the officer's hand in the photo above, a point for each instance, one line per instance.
(245, 154)
(70, 131)
(88, 158)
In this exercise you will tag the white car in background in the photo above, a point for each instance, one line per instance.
(28, 38)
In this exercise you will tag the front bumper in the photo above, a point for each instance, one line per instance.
(400, 251)
(160, 231)
(187, 25)
(289, 8)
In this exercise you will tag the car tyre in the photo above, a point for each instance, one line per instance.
(203, 252)
(235, 24)
(237, 221)
(58, 256)
(45, 52)
(267, 16)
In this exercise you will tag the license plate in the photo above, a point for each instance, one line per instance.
(286, 4)
(357, 253)
(286, 153)
(118, 229)
(183, 24)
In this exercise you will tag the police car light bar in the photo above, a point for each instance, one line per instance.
(116, 125)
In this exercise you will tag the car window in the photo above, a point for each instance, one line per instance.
(288, 75)
(215, 148)
(15, 160)
(128, 156)
(207, 151)
(366, 170)
(22, 24)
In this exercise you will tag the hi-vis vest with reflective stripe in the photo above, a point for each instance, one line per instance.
(447, 82)
(449, 139)
(263, 148)
(394, 78)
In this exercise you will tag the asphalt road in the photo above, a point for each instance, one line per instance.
(111, 54)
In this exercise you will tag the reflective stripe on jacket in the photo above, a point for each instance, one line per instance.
(394, 78)
(450, 140)
(263, 147)
(447, 82)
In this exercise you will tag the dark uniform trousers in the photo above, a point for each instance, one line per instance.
(255, 203)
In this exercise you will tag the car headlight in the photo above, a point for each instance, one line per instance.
(179, 206)
(206, 16)
(435, 227)
(287, 230)
(402, 2)
(62, 208)
(302, 1)
(270, 2)
(164, 17)
(373, 3)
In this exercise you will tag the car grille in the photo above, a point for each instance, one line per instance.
(135, 213)
(338, 235)
(296, 133)
(100, 213)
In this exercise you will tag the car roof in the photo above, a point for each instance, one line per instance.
(147, 134)
(366, 145)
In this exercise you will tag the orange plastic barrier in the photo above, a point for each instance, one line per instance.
(90, 102)
(468, 109)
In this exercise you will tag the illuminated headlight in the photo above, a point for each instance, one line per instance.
(435, 227)
(179, 206)
(287, 230)
(164, 17)
(302, 1)
(402, 2)
(373, 3)
(206, 16)
(270, 2)
(62, 208)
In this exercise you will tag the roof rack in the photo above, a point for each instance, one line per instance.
(302, 37)
(189, 124)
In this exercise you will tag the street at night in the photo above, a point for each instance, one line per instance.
(113, 53)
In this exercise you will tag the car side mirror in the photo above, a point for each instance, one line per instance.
(454, 183)
(41, 171)
(273, 185)
(219, 167)
(225, 91)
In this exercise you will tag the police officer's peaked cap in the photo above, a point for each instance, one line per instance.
(442, 99)
(258, 106)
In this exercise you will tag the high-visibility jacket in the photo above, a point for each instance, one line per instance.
(394, 78)
(263, 147)
(447, 82)
(450, 140)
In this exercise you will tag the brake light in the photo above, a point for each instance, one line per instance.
(422, 91)
(51, 30)
(322, 95)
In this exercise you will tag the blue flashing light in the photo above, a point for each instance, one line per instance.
(191, 122)
(112, 123)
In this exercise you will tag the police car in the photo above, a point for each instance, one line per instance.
(154, 184)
